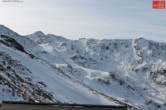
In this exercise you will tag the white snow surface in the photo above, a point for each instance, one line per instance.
(80, 71)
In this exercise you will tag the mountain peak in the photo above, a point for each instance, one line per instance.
(39, 33)
(7, 32)
(3, 28)
(140, 38)
(82, 71)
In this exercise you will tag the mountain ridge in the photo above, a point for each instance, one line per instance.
(132, 70)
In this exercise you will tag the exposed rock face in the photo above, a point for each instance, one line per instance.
(51, 68)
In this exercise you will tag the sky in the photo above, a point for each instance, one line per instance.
(74, 19)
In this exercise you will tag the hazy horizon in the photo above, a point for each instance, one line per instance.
(108, 19)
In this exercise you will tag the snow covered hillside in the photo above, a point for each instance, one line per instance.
(50, 68)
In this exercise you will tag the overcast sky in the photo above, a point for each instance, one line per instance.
(73, 19)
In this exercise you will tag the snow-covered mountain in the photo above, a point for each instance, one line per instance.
(50, 68)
